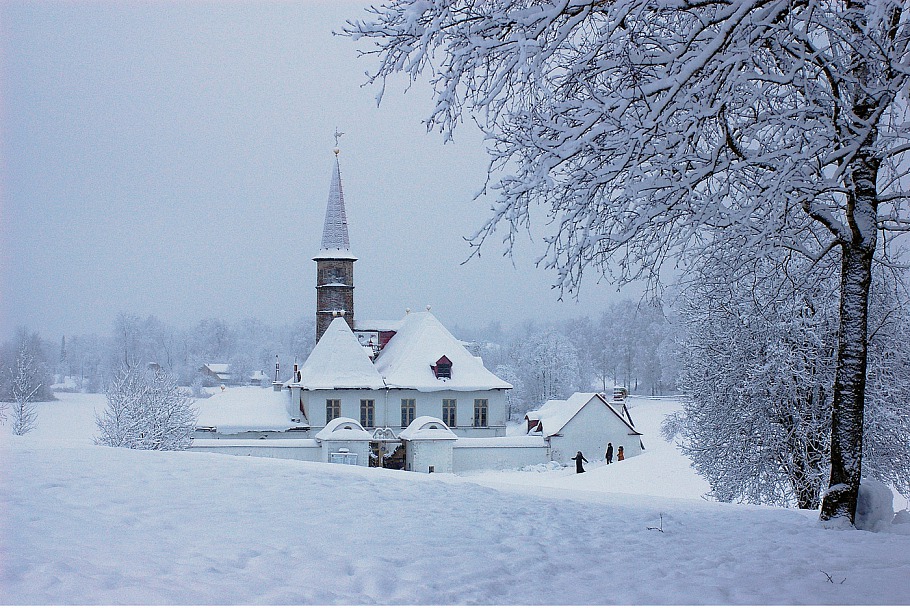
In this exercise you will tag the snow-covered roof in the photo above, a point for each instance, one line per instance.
(335, 241)
(406, 360)
(219, 368)
(245, 408)
(268, 443)
(377, 325)
(339, 361)
(556, 413)
(343, 429)
(427, 427)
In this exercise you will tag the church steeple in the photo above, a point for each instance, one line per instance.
(334, 263)
(335, 229)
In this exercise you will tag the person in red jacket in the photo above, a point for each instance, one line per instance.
(620, 455)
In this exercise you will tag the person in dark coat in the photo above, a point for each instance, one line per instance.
(620, 455)
(579, 458)
(609, 454)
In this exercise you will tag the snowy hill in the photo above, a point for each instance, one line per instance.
(81, 524)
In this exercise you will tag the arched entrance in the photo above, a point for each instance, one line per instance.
(386, 450)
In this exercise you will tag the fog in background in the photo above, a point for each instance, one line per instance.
(173, 159)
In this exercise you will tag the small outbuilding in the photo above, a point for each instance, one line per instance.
(584, 422)
(345, 441)
(428, 445)
(213, 374)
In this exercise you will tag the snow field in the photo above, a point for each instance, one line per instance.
(82, 524)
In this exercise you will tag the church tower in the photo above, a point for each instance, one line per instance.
(335, 263)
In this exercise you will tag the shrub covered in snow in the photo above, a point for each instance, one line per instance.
(902, 518)
(146, 411)
(874, 506)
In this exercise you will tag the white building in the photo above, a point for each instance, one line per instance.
(381, 374)
(422, 371)
(584, 422)
(428, 445)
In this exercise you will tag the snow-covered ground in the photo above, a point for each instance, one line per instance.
(81, 524)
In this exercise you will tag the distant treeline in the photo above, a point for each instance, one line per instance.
(627, 344)
(84, 363)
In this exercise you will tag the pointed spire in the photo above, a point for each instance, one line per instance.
(335, 230)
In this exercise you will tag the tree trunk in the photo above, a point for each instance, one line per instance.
(857, 250)
(849, 382)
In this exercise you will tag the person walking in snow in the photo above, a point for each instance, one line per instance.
(609, 454)
(620, 455)
(579, 458)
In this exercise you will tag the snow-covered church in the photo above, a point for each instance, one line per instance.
(385, 374)
(402, 393)
(377, 376)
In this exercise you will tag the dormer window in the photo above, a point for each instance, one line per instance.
(443, 368)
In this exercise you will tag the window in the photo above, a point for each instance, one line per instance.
(332, 409)
(448, 412)
(480, 412)
(367, 410)
(343, 458)
(408, 406)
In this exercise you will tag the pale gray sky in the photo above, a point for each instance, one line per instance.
(174, 159)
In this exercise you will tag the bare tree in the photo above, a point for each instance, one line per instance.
(25, 387)
(547, 366)
(649, 129)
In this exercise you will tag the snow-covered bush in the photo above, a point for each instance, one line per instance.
(146, 410)
(874, 506)
(901, 518)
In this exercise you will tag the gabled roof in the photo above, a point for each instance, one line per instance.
(335, 241)
(556, 413)
(339, 361)
(406, 360)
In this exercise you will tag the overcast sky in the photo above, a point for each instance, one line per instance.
(174, 159)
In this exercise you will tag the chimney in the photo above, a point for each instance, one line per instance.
(276, 384)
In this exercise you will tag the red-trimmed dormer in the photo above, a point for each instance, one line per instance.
(443, 368)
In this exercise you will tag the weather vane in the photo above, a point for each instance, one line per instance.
(338, 135)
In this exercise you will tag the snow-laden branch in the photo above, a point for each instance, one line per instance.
(636, 124)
